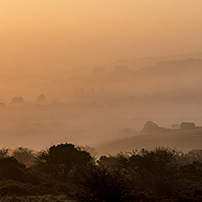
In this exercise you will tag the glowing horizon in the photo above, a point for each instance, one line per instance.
(49, 35)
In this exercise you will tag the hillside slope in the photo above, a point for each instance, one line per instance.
(177, 139)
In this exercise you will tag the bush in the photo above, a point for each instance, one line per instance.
(59, 160)
(10, 168)
(10, 187)
(97, 183)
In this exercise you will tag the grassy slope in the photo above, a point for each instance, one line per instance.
(177, 139)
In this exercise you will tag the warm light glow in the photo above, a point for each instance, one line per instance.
(40, 35)
(97, 66)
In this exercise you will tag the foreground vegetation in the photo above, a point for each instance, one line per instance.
(71, 173)
(44, 198)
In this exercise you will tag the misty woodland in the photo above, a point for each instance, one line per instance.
(147, 137)
(100, 101)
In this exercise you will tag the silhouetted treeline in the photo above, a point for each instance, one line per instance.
(161, 174)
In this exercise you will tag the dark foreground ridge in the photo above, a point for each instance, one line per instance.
(68, 173)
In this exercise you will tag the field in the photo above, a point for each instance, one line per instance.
(184, 140)
(46, 198)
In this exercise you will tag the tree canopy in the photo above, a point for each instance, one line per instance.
(59, 160)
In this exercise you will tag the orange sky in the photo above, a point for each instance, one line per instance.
(49, 35)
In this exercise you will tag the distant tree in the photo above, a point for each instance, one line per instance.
(41, 98)
(24, 155)
(17, 100)
(149, 127)
(59, 160)
(2, 104)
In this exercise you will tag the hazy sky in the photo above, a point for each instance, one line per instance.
(48, 34)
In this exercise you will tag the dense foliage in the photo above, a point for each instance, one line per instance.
(161, 174)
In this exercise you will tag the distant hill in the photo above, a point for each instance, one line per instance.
(182, 75)
(176, 139)
(133, 64)
(147, 62)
